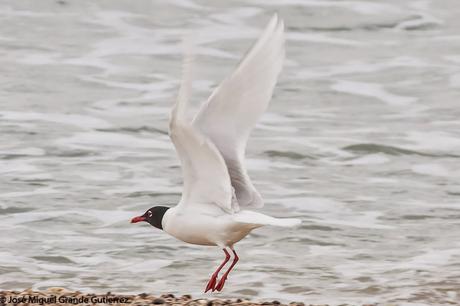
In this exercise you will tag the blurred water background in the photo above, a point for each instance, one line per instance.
(361, 140)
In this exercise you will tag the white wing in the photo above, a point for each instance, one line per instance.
(234, 107)
(206, 178)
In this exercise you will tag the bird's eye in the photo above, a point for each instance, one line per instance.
(149, 213)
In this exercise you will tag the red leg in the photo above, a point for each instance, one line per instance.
(221, 283)
(213, 279)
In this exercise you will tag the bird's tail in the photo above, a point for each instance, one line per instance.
(286, 222)
(252, 217)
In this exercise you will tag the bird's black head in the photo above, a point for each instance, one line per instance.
(154, 216)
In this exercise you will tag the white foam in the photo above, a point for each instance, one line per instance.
(109, 139)
(360, 67)
(79, 120)
(368, 219)
(382, 180)
(423, 20)
(322, 38)
(145, 184)
(429, 259)
(454, 80)
(372, 90)
(431, 169)
(150, 265)
(34, 192)
(97, 175)
(433, 141)
(263, 164)
(29, 151)
(362, 7)
(16, 167)
(455, 58)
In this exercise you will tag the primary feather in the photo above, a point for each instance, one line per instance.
(234, 107)
(212, 147)
(206, 178)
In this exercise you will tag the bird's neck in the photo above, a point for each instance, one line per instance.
(158, 216)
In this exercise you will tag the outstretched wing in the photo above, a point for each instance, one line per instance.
(234, 107)
(206, 178)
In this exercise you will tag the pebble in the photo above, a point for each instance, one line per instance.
(158, 301)
(142, 299)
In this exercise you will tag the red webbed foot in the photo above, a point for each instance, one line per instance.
(212, 283)
(213, 280)
(221, 283)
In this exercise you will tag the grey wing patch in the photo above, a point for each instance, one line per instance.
(246, 194)
(235, 204)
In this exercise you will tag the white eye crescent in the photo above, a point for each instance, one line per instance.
(149, 213)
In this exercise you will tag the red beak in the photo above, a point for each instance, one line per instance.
(138, 219)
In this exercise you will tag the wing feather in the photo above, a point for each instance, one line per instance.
(206, 179)
(234, 107)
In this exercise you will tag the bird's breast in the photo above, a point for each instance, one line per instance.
(204, 229)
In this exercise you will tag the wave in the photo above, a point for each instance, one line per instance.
(372, 148)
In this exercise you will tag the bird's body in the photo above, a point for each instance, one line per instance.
(194, 227)
(209, 225)
(217, 189)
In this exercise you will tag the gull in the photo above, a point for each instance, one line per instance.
(217, 190)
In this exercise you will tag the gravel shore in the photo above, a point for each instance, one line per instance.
(61, 296)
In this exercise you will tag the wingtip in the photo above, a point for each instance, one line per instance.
(179, 110)
(188, 44)
(276, 25)
(291, 222)
(272, 24)
(276, 17)
(281, 24)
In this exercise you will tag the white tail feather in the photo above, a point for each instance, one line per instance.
(287, 222)
(252, 217)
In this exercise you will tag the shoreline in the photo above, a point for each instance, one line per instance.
(61, 296)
